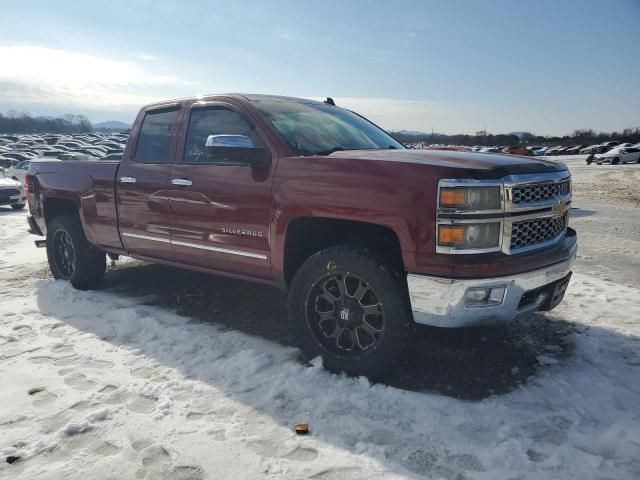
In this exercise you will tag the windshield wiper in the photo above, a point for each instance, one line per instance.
(342, 149)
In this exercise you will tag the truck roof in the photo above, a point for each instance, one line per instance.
(244, 96)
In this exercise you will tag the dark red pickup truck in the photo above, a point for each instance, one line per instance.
(368, 237)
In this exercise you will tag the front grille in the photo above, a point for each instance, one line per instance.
(540, 192)
(9, 192)
(533, 232)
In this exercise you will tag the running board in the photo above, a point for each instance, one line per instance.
(41, 243)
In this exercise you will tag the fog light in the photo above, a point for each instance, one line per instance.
(479, 296)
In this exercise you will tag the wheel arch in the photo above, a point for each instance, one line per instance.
(307, 235)
(57, 206)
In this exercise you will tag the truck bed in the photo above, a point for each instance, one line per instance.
(89, 185)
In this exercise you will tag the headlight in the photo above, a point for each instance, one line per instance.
(471, 198)
(469, 235)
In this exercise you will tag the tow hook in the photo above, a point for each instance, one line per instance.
(41, 243)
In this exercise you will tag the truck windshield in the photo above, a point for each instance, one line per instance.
(316, 128)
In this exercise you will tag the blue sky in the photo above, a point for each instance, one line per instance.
(548, 66)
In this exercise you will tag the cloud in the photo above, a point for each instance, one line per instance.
(147, 57)
(36, 75)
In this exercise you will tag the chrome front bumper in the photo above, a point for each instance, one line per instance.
(441, 301)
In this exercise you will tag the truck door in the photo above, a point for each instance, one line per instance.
(220, 213)
(142, 181)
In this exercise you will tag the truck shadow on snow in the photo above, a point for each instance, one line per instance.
(470, 364)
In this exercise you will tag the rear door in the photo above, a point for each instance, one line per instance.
(220, 213)
(142, 182)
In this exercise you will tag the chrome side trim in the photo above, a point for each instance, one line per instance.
(146, 237)
(229, 251)
(241, 253)
(182, 182)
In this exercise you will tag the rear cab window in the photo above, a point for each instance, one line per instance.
(154, 137)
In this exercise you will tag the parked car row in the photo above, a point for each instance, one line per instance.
(16, 151)
(589, 149)
(610, 152)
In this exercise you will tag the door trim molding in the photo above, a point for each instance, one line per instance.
(146, 237)
(228, 251)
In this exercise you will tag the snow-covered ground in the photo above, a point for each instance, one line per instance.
(114, 384)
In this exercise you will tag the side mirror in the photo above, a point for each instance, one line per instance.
(236, 150)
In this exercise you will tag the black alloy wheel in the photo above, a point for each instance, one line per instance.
(64, 254)
(350, 306)
(345, 314)
(71, 256)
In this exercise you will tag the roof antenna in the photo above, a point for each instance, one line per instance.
(329, 101)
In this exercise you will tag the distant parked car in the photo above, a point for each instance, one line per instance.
(12, 193)
(76, 156)
(20, 157)
(574, 150)
(619, 155)
(19, 171)
(554, 150)
(606, 146)
(539, 151)
(6, 162)
(113, 156)
(589, 149)
(52, 153)
(518, 150)
(21, 146)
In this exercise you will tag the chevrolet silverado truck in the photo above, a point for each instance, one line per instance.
(368, 237)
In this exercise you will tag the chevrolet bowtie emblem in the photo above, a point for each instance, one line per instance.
(560, 207)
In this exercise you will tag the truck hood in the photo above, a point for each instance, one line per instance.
(481, 165)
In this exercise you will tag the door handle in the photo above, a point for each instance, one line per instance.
(127, 180)
(183, 182)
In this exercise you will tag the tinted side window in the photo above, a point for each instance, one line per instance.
(155, 136)
(214, 121)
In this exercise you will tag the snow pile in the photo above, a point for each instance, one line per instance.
(96, 385)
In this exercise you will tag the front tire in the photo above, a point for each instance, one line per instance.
(18, 206)
(71, 257)
(347, 307)
(615, 161)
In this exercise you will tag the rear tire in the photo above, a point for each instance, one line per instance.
(615, 161)
(71, 257)
(18, 206)
(347, 307)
